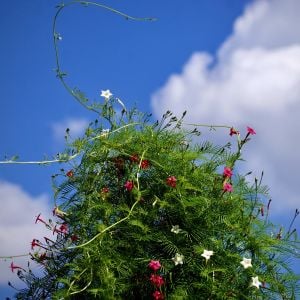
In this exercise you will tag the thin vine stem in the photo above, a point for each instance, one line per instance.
(207, 125)
(71, 157)
(107, 228)
(42, 162)
(14, 256)
(60, 74)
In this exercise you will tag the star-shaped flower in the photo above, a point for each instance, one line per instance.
(13, 267)
(255, 282)
(250, 130)
(233, 131)
(157, 295)
(175, 229)
(157, 280)
(171, 181)
(227, 172)
(129, 185)
(207, 254)
(178, 259)
(246, 263)
(154, 265)
(227, 187)
(106, 94)
(104, 132)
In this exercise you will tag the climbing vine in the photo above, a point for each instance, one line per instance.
(151, 210)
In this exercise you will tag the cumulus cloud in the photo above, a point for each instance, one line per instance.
(17, 225)
(75, 125)
(253, 80)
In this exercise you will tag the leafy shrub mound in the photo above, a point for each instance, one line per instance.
(151, 211)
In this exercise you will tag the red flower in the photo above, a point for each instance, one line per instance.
(63, 228)
(129, 185)
(250, 130)
(34, 243)
(13, 267)
(157, 295)
(134, 158)
(154, 265)
(171, 181)
(145, 164)
(157, 280)
(40, 219)
(74, 238)
(227, 187)
(233, 131)
(105, 190)
(70, 173)
(227, 172)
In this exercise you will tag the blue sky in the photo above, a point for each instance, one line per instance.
(227, 61)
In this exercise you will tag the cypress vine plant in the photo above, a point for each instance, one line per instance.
(146, 213)
(150, 210)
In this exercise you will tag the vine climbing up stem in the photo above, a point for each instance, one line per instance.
(78, 95)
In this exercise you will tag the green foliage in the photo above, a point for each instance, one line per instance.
(138, 193)
(120, 230)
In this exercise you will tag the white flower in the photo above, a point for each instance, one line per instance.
(207, 254)
(104, 133)
(255, 282)
(246, 262)
(178, 259)
(175, 229)
(106, 94)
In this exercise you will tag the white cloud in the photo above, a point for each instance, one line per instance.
(76, 126)
(266, 23)
(254, 80)
(17, 225)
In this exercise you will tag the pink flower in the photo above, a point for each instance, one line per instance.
(38, 218)
(157, 280)
(63, 228)
(157, 295)
(70, 173)
(154, 265)
(129, 185)
(227, 172)
(171, 181)
(145, 164)
(250, 130)
(233, 131)
(227, 187)
(13, 267)
(34, 243)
